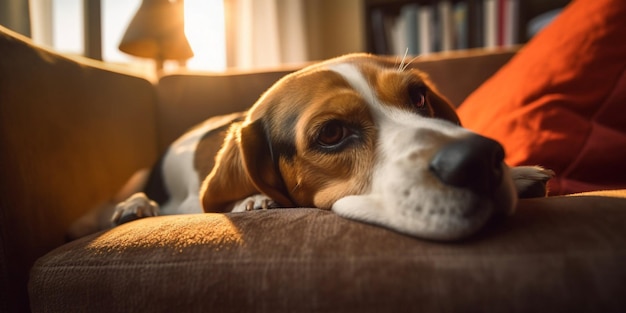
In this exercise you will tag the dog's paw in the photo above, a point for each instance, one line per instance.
(135, 207)
(255, 202)
(531, 181)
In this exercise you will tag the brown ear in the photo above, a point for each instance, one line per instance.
(228, 181)
(243, 167)
(261, 162)
(442, 108)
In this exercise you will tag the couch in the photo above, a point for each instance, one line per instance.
(72, 131)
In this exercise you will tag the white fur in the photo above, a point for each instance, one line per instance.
(254, 202)
(180, 176)
(524, 176)
(137, 204)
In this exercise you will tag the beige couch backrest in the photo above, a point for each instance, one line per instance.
(187, 99)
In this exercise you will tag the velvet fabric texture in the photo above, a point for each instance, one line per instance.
(554, 255)
(64, 126)
(560, 102)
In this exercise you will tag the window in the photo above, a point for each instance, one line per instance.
(205, 29)
(67, 32)
(59, 24)
(116, 15)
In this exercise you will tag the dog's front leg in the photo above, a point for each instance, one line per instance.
(531, 181)
(136, 206)
(254, 202)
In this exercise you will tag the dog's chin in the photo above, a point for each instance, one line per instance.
(443, 214)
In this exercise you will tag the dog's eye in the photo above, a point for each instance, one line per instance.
(417, 96)
(332, 134)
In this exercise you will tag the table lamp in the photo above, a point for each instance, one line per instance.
(157, 31)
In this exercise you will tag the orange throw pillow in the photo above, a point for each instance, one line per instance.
(561, 101)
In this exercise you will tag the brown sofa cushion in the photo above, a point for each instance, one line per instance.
(554, 255)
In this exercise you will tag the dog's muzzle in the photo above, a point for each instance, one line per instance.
(436, 181)
(473, 162)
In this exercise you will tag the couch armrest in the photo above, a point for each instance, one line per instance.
(71, 132)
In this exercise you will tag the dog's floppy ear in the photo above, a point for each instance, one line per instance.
(228, 181)
(243, 167)
(261, 162)
(441, 107)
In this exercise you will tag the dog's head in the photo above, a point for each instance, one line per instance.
(373, 140)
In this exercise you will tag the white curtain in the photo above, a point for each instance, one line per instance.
(265, 33)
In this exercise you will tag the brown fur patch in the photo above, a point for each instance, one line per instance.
(228, 181)
(315, 177)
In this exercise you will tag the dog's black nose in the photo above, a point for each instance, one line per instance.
(474, 162)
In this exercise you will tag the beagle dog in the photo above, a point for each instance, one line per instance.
(361, 135)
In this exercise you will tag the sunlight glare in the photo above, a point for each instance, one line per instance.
(205, 31)
(67, 32)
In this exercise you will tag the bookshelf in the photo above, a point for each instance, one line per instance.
(427, 26)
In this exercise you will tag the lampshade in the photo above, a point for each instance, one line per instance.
(157, 31)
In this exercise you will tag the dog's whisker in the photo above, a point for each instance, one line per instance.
(297, 186)
(409, 63)
(402, 67)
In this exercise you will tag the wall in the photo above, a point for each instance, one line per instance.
(334, 27)
(14, 15)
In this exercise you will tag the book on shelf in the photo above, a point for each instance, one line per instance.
(445, 23)
(460, 23)
(511, 22)
(426, 30)
(490, 20)
(426, 27)
(380, 33)
(410, 33)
